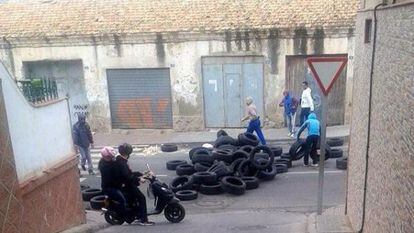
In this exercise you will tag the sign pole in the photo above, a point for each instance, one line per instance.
(322, 152)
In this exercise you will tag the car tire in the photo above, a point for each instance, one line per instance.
(286, 156)
(342, 163)
(247, 148)
(181, 183)
(97, 202)
(223, 140)
(281, 168)
(221, 133)
(186, 195)
(277, 150)
(251, 182)
(248, 139)
(284, 161)
(261, 165)
(205, 177)
(222, 155)
(245, 168)
(169, 148)
(211, 189)
(202, 156)
(88, 194)
(185, 169)
(297, 150)
(268, 173)
(172, 164)
(233, 185)
(192, 151)
(336, 153)
(332, 142)
(200, 167)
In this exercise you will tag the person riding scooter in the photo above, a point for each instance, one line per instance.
(130, 181)
(107, 168)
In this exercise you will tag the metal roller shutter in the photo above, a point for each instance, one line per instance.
(140, 98)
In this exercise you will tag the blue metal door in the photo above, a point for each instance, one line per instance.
(213, 95)
(232, 90)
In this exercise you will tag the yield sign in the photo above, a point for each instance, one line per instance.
(326, 70)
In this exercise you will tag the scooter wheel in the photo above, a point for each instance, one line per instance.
(113, 219)
(174, 212)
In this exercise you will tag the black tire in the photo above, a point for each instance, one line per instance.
(342, 163)
(223, 140)
(287, 162)
(297, 150)
(268, 173)
(186, 195)
(97, 202)
(202, 156)
(192, 151)
(221, 133)
(240, 154)
(233, 185)
(286, 156)
(277, 150)
(185, 169)
(227, 147)
(261, 165)
(247, 148)
(281, 168)
(169, 148)
(211, 189)
(336, 153)
(181, 183)
(205, 177)
(174, 212)
(335, 142)
(113, 219)
(248, 139)
(172, 164)
(223, 155)
(200, 167)
(89, 193)
(245, 169)
(234, 167)
(251, 182)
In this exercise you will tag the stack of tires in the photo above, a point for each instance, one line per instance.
(341, 162)
(231, 166)
(297, 150)
(94, 196)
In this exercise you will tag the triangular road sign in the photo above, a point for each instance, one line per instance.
(326, 70)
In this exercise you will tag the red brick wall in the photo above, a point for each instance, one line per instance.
(50, 203)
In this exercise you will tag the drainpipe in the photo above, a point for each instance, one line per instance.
(374, 40)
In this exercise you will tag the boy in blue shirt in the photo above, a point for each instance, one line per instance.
(314, 132)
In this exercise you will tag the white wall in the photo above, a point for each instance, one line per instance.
(41, 136)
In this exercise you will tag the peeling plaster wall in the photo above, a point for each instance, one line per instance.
(183, 58)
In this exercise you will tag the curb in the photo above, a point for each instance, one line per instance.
(87, 228)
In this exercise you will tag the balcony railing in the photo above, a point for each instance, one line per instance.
(39, 90)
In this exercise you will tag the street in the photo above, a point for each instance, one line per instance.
(281, 205)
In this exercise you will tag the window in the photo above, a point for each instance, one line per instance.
(368, 29)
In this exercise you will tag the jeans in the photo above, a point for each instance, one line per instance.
(85, 156)
(304, 113)
(311, 149)
(254, 125)
(116, 195)
(289, 121)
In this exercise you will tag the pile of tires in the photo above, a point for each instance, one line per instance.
(297, 150)
(231, 166)
(94, 196)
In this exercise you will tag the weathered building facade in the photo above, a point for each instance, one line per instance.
(381, 157)
(186, 65)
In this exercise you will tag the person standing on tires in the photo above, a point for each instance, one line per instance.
(306, 102)
(254, 123)
(290, 104)
(82, 137)
(314, 132)
(130, 181)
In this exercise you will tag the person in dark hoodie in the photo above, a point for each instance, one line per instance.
(109, 185)
(82, 137)
(314, 132)
(131, 180)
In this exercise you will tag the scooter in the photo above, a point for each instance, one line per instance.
(164, 200)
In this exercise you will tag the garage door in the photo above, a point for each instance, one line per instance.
(227, 81)
(140, 98)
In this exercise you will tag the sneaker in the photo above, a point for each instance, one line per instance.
(147, 223)
(314, 164)
(83, 167)
(292, 135)
(91, 172)
(306, 165)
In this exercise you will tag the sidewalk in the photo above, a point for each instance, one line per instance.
(151, 137)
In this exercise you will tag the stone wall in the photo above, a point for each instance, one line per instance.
(390, 184)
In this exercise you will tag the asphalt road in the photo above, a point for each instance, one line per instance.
(281, 205)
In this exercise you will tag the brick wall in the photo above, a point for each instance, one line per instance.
(390, 186)
(50, 203)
